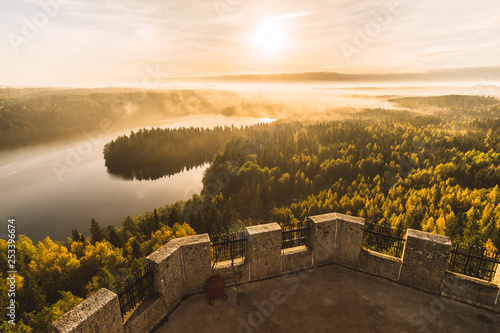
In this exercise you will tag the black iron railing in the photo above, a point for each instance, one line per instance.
(135, 289)
(474, 261)
(228, 246)
(295, 234)
(384, 238)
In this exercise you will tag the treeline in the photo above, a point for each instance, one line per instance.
(53, 277)
(32, 116)
(462, 105)
(41, 114)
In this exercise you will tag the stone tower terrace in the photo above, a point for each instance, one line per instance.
(330, 298)
(331, 283)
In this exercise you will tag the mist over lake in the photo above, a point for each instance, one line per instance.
(54, 187)
(49, 196)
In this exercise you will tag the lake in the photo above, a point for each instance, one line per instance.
(53, 188)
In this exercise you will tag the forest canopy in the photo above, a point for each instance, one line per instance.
(53, 277)
(439, 173)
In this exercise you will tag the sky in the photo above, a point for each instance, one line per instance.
(134, 42)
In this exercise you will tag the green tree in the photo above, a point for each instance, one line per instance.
(96, 232)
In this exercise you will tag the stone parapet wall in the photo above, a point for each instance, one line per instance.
(168, 276)
(296, 259)
(224, 269)
(380, 264)
(264, 250)
(100, 313)
(182, 266)
(195, 257)
(147, 315)
(470, 290)
(349, 240)
(425, 259)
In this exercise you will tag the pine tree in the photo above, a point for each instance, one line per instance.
(96, 232)
(76, 236)
(113, 237)
(156, 221)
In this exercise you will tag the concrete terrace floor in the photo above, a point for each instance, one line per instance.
(329, 299)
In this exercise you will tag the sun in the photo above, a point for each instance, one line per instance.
(270, 37)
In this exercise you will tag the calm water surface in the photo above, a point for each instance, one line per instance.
(52, 188)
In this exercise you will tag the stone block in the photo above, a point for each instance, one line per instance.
(196, 262)
(168, 277)
(496, 278)
(99, 313)
(147, 315)
(349, 240)
(469, 290)
(296, 258)
(380, 264)
(323, 237)
(425, 259)
(264, 250)
(225, 270)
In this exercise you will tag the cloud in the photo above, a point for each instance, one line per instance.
(105, 37)
(438, 53)
(291, 16)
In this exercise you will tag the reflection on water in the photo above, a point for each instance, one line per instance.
(153, 171)
(53, 188)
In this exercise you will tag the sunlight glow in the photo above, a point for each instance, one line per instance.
(270, 37)
(266, 120)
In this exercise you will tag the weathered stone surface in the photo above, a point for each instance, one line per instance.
(168, 277)
(470, 290)
(164, 251)
(195, 255)
(331, 298)
(225, 270)
(182, 266)
(296, 258)
(147, 315)
(323, 237)
(380, 264)
(425, 260)
(264, 250)
(496, 278)
(349, 239)
(98, 313)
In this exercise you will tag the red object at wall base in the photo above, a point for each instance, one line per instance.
(215, 288)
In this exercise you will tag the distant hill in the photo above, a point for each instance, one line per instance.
(479, 75)
(445, 102)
